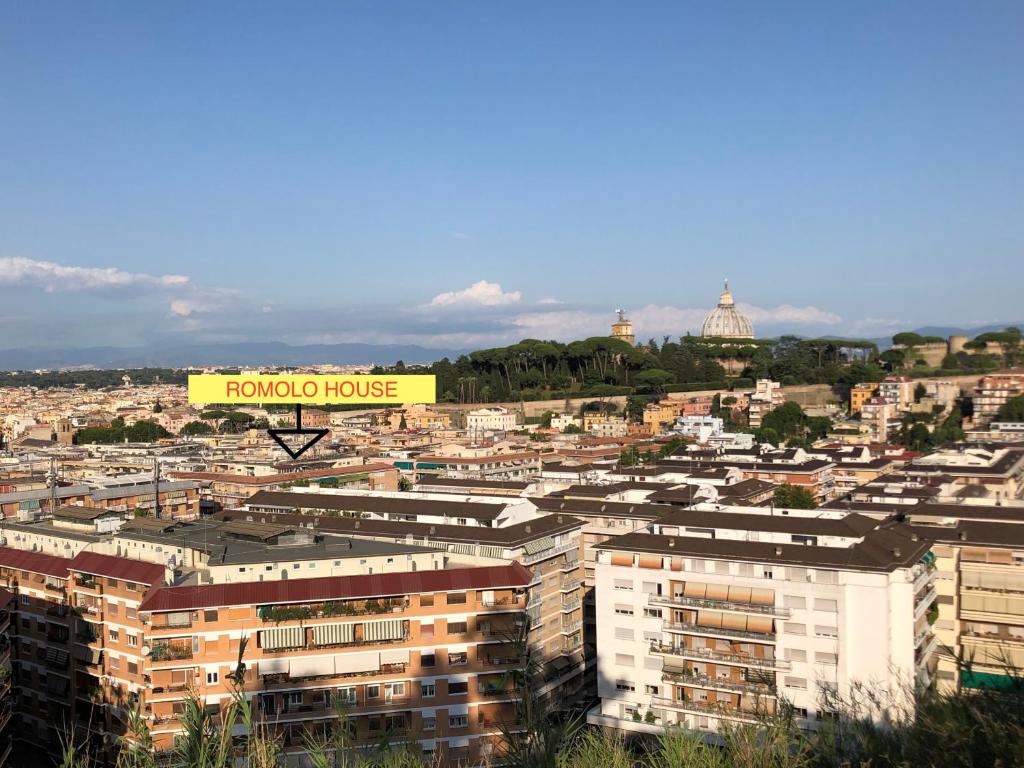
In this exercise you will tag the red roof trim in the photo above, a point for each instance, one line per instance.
(336, 587)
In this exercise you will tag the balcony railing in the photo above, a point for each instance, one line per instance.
(706, 708)
(568, 629)
(548, 553)
(705, 681)
(701, 629)
(570, 585)
(924, 602)
(170, 652)
(571, 605)
(720, 605)
(705, 654)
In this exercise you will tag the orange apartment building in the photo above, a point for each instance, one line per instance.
(421, 657)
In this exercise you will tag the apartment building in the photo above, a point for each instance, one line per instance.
(980, 582)
(549, 545)
(766, 397)
(992, 392)
(491, 419)
(230, 489)
(492, 466)
(898, 390)
(722, 623)
(859, 394)
(420, 657)
(7, 606)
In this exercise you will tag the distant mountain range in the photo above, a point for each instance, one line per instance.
(279, 353)
(233, 354)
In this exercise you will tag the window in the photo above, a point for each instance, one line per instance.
(652, 662)
(115, 636)
(458, 659)
(428, 690)
(624, 610)
(624, 585)
(456, 598)
(373, 691)
(133, 640)
(722, 567)
(456, 627)
(209, 616)
(826, 605)
(825, 577)
(295, 697)
(624, 660)
(346, 695)
(625, 685)
(426, 600)
(794, 601)
(796, 654)
(396, 689)
(133, 668)
(792, 628)
(652, 637)
(826, 658)
(114, 662)
(212, 678)
(826, 631)
(429, 724)
(652, 613)
(623, 633)
(651, 588)
(458, 687)
(112, 608)
(652, 690)
(799, 683)
(458, 721)
(112, 583)
(131, 613)
(427, 660)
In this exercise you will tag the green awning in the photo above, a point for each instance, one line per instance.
(929, 558)
(969, 679)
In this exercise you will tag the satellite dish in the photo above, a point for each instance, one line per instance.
(145, 650)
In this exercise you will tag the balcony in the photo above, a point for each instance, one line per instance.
(170, 652)
(568, 629)
(718, 709)
(922, 604)
(549, 553)
(571, 605)
(702, 629)
(705, 654)
(720, 605)
(570, 585)
(716, 683)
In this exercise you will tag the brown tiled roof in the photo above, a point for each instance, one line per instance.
(507, 536)
(35, 562)
(117, 568)
(336, 588)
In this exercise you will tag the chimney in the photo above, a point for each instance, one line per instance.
(963, 535)
(896, 552)
(778, 550)
(671, 542)
(529, 529)
(558, 518)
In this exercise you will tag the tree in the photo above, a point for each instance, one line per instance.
(950, 362)
(572, 429)
(402, 423)
(196, 428)
(404, 483)
(794, 497)
(635, 408)
(919, 392)
(1011, 410)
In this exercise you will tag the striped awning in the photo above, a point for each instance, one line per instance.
(334, 634)
(282, 637)
(533, 547)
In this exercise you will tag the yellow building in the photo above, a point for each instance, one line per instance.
(623, 329)
(859, 393)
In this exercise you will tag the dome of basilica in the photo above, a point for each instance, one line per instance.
(726, 321)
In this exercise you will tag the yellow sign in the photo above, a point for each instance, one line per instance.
(319, 389)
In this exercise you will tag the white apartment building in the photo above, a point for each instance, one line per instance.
(492, 419)
(717, 623)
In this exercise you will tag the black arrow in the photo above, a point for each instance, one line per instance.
(297, 430)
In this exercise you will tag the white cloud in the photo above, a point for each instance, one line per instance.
(550, 300)
(50, 276)
(183, 308)
(461, 235)
(785, 313)
(480, 294)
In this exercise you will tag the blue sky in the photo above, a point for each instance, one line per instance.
(470, 173)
